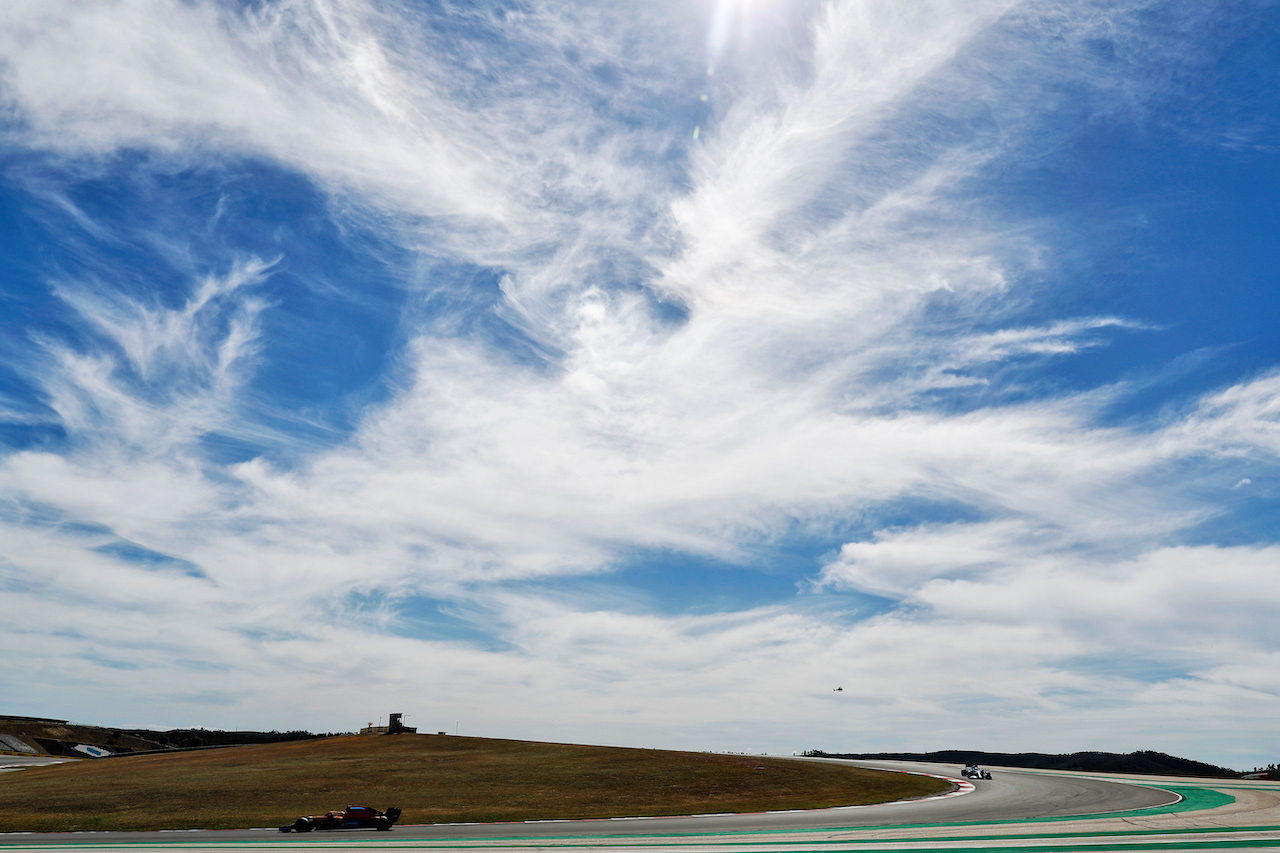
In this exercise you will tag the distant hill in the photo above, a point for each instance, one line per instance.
(1143, 761)
(41, 736)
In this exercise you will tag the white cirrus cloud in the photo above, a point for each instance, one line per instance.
(706, 349)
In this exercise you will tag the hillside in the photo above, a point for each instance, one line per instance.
(1144, 761)
(433, 778)
(40, 736)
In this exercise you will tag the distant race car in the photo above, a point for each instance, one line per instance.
(973, 771)
(354, 817)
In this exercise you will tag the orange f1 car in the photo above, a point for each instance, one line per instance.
(353, 817)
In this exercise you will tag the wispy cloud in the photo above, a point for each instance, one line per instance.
(617, 339)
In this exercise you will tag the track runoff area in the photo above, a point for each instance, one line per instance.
(1018, 811)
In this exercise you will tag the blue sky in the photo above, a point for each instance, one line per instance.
(640, 374)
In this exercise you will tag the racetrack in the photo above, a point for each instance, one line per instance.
(1008, 796)
(1017, 810)
(10, 763)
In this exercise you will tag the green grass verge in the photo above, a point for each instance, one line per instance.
(435, 779)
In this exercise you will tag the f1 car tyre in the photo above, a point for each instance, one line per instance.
(303, 824)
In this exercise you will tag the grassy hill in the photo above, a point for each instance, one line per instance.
(434, 778)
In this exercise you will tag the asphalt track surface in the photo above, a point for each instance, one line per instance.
(1008, 796)
(10, 763)
(1016, 811)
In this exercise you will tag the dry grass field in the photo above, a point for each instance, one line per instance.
(434, 778)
